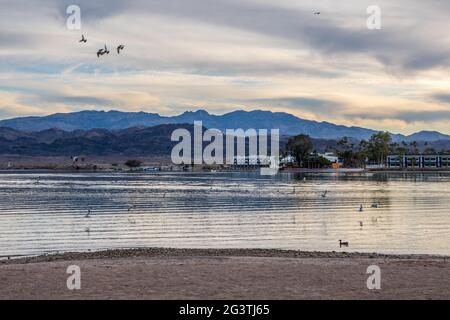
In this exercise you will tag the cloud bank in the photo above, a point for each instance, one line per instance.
(226, 54)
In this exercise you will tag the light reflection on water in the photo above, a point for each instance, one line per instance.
(198, 210)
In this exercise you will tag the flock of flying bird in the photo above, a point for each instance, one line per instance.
(104, 50)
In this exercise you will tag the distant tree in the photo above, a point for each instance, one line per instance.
(400, 149)
(414, 145)
(351, 155)
(323, 162)
(133, 163)
(300, 147)
(429, 151)
(379, 146)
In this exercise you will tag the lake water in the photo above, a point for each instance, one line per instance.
(45, 212)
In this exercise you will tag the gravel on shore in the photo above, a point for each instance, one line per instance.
(173, 252)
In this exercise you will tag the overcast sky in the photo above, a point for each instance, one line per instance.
(223, 55)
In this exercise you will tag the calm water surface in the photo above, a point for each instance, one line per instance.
(45, 212)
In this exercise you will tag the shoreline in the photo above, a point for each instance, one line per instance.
(193, 252)
(230, 274)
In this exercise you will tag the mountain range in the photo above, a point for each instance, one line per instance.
(287, 123)
(135, 141)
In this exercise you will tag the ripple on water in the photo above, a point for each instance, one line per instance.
(224, 211)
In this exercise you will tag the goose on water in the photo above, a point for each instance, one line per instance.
(343, 244)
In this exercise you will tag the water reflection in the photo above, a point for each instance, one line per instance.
(225, 211)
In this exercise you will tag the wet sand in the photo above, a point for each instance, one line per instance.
(225, 274)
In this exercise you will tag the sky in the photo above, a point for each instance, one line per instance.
(225, 55)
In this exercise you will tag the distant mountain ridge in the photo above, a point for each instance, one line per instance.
(56, 142)
(287, 123)
(136, 141)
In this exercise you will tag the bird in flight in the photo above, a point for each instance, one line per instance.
(106, 50)
(100, 53)
(317, 12)
(83, 39)
(121, 47)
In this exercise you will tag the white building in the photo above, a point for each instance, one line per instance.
(330, 157)
(288, 160)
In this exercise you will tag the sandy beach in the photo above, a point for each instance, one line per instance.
(225, 274)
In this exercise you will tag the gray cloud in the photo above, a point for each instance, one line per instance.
(441, 97)
(426, 116)
(409, 116)
(320, 106)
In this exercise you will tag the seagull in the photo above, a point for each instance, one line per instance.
(375, 205)
(324, 194)
(317, 12)
(100, 53)
(342, 244)
(121, 47)
(361, 209)
(83, 39)
(131, 207)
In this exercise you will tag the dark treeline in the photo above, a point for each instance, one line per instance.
(357, 153)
